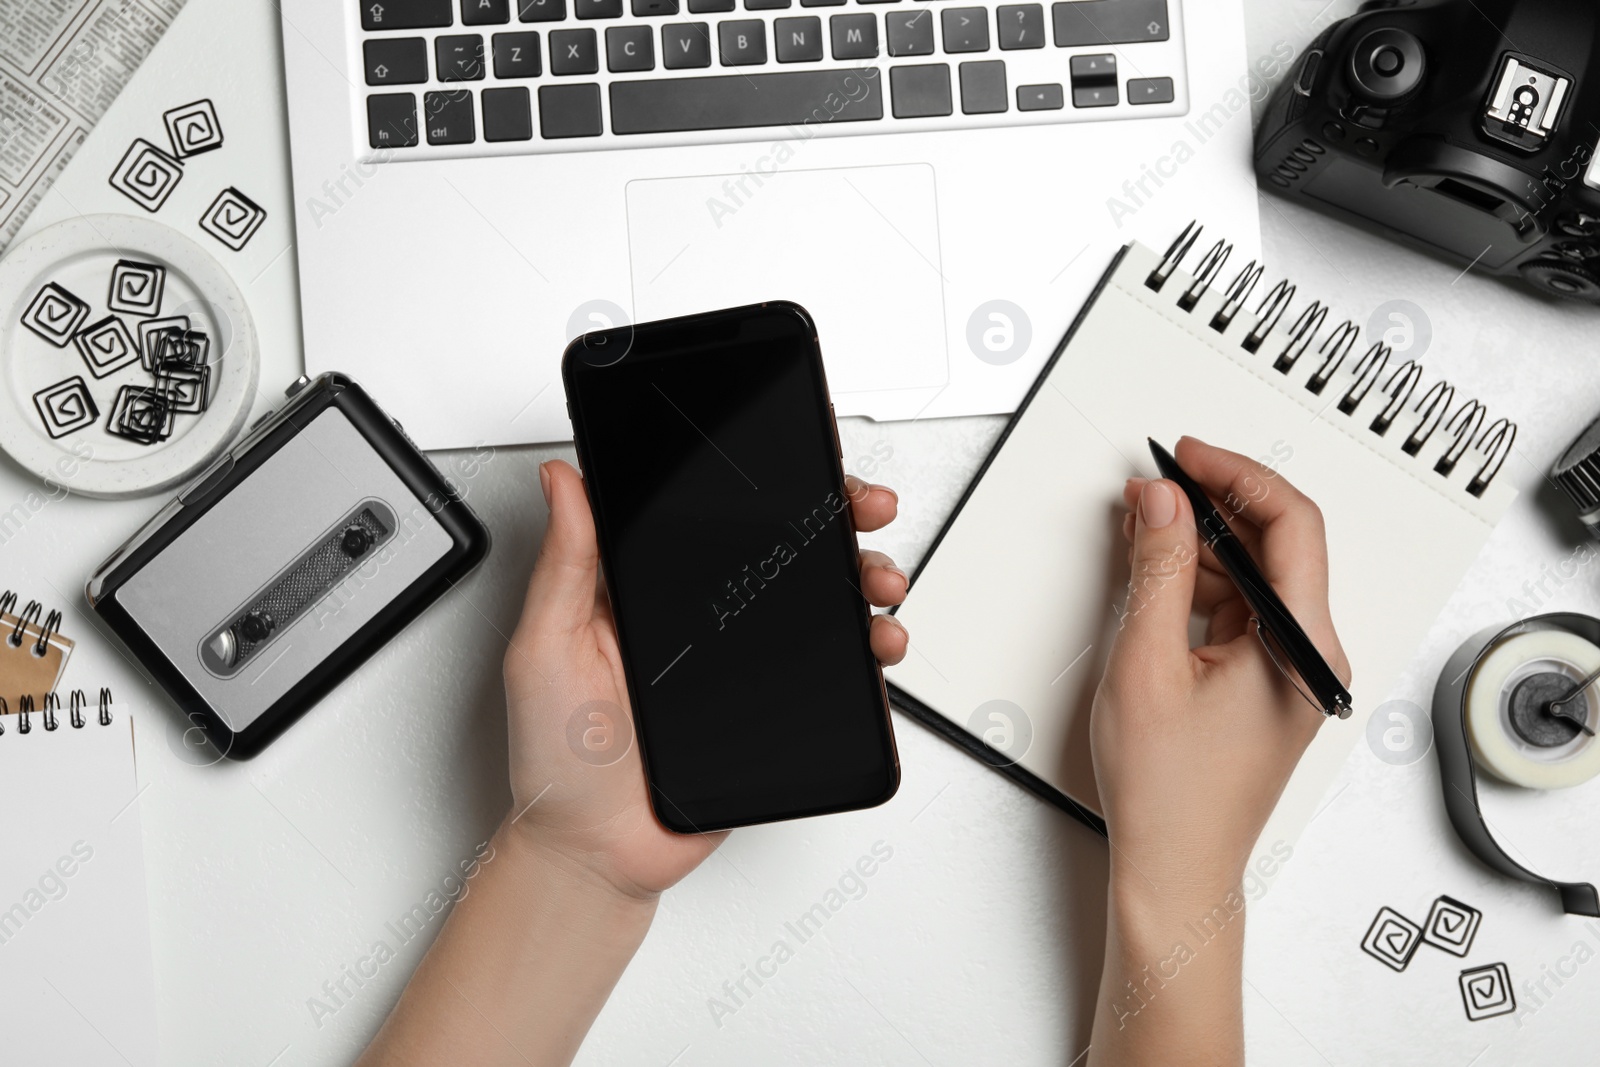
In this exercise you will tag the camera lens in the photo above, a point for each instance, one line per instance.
(356, 540)
(1386, 66)
(256, 626)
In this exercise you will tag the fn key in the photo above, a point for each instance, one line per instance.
(392, 120)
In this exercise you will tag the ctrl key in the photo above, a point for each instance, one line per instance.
(392, 120)
(450, 117)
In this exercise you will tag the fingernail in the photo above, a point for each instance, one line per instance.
(1158, 506)
(544, 483)
(892, 569)
(896, 623)
(891, 492)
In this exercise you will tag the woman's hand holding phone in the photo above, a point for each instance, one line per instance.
(586, 805)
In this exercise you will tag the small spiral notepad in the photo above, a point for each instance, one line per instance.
(1012, 613)
(32, 651)
(76, 974)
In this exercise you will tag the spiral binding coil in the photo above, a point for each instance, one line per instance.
(49, 711)
(31, 615)
(1464, 424)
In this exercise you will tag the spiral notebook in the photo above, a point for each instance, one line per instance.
(32, 651)
(76, 977)
(1012, 612)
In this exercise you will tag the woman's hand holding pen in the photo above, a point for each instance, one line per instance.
(1193, 746)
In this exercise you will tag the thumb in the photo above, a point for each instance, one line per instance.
(562, 590)
(1155, 624)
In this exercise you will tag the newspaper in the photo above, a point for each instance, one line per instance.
(62, 62)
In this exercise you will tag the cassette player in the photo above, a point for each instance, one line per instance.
(292, 559)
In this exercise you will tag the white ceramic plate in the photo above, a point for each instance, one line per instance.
(80, 255)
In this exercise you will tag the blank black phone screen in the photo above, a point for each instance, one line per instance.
(710, 458)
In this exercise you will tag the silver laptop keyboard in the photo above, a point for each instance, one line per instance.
(448, 78)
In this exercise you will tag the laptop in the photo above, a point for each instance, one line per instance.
(479, 181)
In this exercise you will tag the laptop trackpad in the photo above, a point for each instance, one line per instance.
(858, 247)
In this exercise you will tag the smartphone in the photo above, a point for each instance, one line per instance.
(712, 463)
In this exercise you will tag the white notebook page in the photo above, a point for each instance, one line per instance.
(1019, 600)
(75, 966)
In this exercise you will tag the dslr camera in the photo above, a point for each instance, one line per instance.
(1465, 127)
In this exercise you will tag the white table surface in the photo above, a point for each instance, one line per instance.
(979, 940)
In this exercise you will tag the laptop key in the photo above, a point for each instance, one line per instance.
(449, 117)
(392, 120)
(646, 8)
(854, 36)
(1093, 70)
(742, 42)
(485, 12)
(1091, 23)
(570, 110)
(1094, 96)
(1046, 97)
(921, 91)
(403, 14)
(541, 10)
(395, 60)
(629, 49)
(685, 45)
(822, 3)
(507, 115)
(798, 40)
(459, 57)
(765, 5)
(1149, 90)
(736, 101)
(966, 29)
(516, 55)
(910, 32)
(709, 7)
(574, 52)
(1020, 26)
(597, 9)
(983, 87)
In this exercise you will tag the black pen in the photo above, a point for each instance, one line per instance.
(1273, 621)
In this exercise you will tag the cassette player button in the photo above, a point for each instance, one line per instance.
(355, 541)
(257, 626)
(207, 481)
